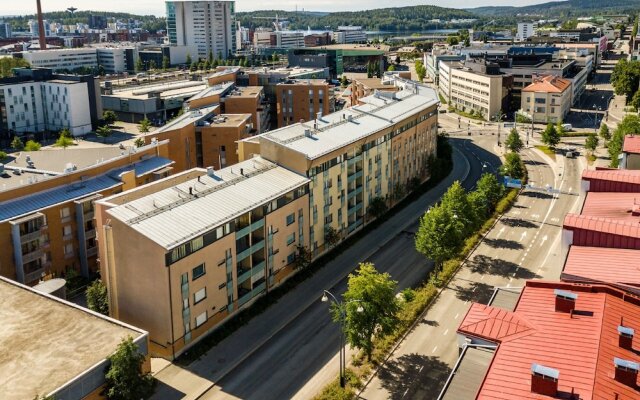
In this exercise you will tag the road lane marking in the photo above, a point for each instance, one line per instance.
(457, 315)
(500, 232)
(434, 349)
(445, 332)
(544, 239)
(524, 235)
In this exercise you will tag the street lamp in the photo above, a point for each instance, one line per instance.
(343, 317)
(500, 117)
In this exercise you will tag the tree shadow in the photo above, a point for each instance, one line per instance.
(537, 195)
(534, 163)
(504, 244)
(476, 292)
(518, 223)
(430, 322)
(482, 264)
(413, 376)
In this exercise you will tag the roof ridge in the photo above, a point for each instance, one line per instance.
(600, 347)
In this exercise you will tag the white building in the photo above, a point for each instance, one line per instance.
(209, 26)
(34, 30)
(62, 59)
(349, 34)
(112, 59)
(525, 31)
(5, 30)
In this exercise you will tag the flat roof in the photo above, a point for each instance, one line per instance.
(229, 120)
(188, 118)
(215, 90)
(48, 342)
(335, 131)
(355, 47)
(375, 83)
(246, 92)
(603, 265)
(196, 206)
(467, 377)
(166, 90)
(56, 160)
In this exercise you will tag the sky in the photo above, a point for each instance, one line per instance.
(156, 7)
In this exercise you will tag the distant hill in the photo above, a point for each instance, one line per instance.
(412, 18)
(562, 8)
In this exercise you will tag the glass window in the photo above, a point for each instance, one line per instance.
(200, 295)
(178, 253)
(197, 272)
(291, 238)
(197, 243)
(291, 218)
(184, 278)
(64, 212)
(201, 319)
(291, 258)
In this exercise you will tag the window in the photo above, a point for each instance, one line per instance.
(291, 238)
(200, 295)
(291, 258)
(68, 249)
(178, 253)
(197, 272)
(66, 230)
(201, 319)
(64, 212)
(185, 303)
(197, 243)
(184, 278)
(291, 218)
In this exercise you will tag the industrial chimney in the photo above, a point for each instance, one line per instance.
(41, 32)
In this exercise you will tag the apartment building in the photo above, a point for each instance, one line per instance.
(349, 34)
(36, 100)
(207, 243)
(62, 59)
(547, 99)
(112, 59)
(207, 25)
(302, 100)
(379, 149)
(204, 138)
(365, 87)
(474, 85)
(525, 31)
(432, 63)
(46, 205)
(279, 39)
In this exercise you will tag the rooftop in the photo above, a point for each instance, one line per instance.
(614, 176)
(196, 206)
(51, 341)
(188, 118)
(246, 91)
(613, 206)
(229, 120)
(548, 84)
(182, 88)
(581, 345)
(339, 129)
(382, 48)
(374, 83)
(602, 225)
(631, 144)
(589, 264)
(215, 90)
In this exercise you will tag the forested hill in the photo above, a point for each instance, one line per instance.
(150, 22)
(389, 19)
(571, 8)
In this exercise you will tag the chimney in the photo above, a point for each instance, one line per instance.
(307, 133)
(210, 172)
(565, 301)
(544, 380)
(41, 32)
(626, 371)
(625, 337)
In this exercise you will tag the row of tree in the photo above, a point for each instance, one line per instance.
(625, 79)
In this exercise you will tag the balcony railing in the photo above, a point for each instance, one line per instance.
(243, 275)
(89, 215)
(92, 251)
(91, 233)
(32, 256)
(29, 237)
(34, 276)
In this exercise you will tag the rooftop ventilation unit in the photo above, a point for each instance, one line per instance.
(626, 371)
(565, 301)
(211, 172)
(625, 337)
(307, 133)
(544, 380)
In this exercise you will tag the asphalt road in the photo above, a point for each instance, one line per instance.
(524, 244)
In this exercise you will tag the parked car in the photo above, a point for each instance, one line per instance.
(567, 127)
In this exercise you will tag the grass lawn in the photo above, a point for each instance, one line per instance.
(548, 151)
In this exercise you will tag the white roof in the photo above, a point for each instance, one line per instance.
(335, 131)
(173, 216)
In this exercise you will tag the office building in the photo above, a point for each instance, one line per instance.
(62, 59)
(208, 243)
(340, 58)
(5, 30)
(317, 39)
(57, 349)
(34, 29)
(46, 205)
(525, 31)
(112, 59)
(302, 101)
(432, 63)
(547, 99)
(36, 100)
(97, 21)
(349, 34)
(207, 26)
(279, 39)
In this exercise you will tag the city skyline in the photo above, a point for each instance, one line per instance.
(156, 7)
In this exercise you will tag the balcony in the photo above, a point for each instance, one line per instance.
(258, 268)
(354, 176)
(91, 233)
(29, 237)
(244, 295)
(32, 256)
(89, 215)
(92, 251)
(243, 275)
(34, 276)
(355, 209)
(354, 160)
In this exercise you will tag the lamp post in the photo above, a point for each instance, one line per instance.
(343, 317)
(500, 117)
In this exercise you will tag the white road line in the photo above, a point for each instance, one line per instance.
(434, 349)
(445, 332)
(500, 232)
(405, 392)
(524, 235)
(510, 279)
(538, 271)
(457, 315)
(481, 277)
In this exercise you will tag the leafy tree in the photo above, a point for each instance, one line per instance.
(274, 57)
(635, 100)
(63, 141)
(144, 126)
(513, 142)
(32, 145)
(605, 134)
(8, 63)
(377, 207)
(103, 132)
(453, 40)
(194, 66)
(331, 236)
(139, 67)
(303, 257)
(97, 298)
(3, 156)
(490, 191)
(109, 117)
(455, 201)
(65, 132)
(467, 42)
(139, 142)
(391, 68)
(210, 57)
(421, 71)
(629, 125)
(439, 235)
(17, 144)
(369, 309)
(625, 77)
(124, 377)
(166, 64)
(512, 166)
(550, 136)
(591, 143)
(560, 129)
(188, 61)
(344, 81)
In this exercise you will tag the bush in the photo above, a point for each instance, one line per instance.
(3, 156)
(32, 145)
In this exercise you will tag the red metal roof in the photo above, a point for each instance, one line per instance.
(613, 206)
(581, 346)
(620, 267)
(613, 180)
(493, 323)
(602, 225)
(631, 144)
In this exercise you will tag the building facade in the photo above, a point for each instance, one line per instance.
(302, 101)
(547, 99)
(62, 59)
(349, 34)
(208, 26)
(525, 31)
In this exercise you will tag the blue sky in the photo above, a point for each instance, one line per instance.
(9, 7)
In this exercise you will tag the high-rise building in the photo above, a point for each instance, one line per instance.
(35, 31)
(525, 31)
(5, 30)
(209, 26)
(97, 21)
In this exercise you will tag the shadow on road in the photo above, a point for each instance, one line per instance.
(476, 292)
(537, 195)
(518, 223)
(413, 376)
(504, 244)
(535, 163)
(482, 264)
(168, 392)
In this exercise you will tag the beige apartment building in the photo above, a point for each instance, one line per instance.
(47, 205)
(547, 99)
(379, 149)
(181, 255)
(474, 86)
(302, 101)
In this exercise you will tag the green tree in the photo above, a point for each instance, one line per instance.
(512, 166)
(303, 257)
(166, 64)
(210, 57)
(32, 145)
(377, 207)
(439, 235)
(490, 191)
(455, 201)
(109, 117)
(144, 126)
(369, 307)
(625, 77)
(467, 42)
(421, 71)
(591, 143)
(550, 136)
(629, 125)
(453, 40)
(391, 68)
(124, 377)
(331, 236)
(513, 142)
(64, 140)
(103, 132)
(188, 60)
(3, 156)
(139, 65)
(635, 100)
(605, 134)
(152, 65)
(139, 142)
(17, 144)
(7, 64)
(560, 129)
(97, 298)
